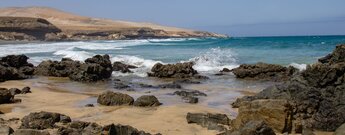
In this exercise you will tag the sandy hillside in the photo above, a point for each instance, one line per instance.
(70, 22)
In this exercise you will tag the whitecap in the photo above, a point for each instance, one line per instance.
(301, 67)
(75, 55)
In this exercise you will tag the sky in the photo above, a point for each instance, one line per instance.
(232, 17)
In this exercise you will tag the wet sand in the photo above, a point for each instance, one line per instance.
(166, 119)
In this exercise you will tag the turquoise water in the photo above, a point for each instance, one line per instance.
(210, 54)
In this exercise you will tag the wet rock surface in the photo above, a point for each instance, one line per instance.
(210, 121)
(15, 67)
(190, 96)
(6, 96)
(315, 94)
(146, 101)
(178, 70)
(263, 71)
(124, 68)
(94, 69)
(109, 98)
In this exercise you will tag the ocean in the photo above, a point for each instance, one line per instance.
(209, 54)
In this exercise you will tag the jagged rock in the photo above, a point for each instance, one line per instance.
(179, 70)
(43, 120)
(340, 130)
(147, 100)
(123, 130)
(218, 122)
(15, 91)
(111, 98)
(5, 130)
(15, 67)
(124, 68)
(30, 132)
(275, 113)
(263, 71)
(80, 128)
(64, 68)
(190, 99)
(94, 69)
(5, 96)
(26, 90)
(337, 56)
(190, 96)
(253, 128)
(225, 70)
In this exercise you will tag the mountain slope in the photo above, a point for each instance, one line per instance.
(74, 23)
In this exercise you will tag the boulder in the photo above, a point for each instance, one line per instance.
(147, 100)
(62, 68)
(30, 132)
(15, 91)
(179, 70)
(113, 129)
(210, 121)
(15, 67)
(253, 128)
(109, 98)
(6, 96)
(5, 130)
(263, 71)
(26, 90)
(190, 96)
(43, 120)
(80, 128)
(275, 113)
(124, 68)
(94, 69)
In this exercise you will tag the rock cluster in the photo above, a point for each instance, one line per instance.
(15, 67)
(7, 95)
(124, 68)
(94, 69)
(315, 96)
(178, 70)
(263, 71)
(109, 98)
(42, 123)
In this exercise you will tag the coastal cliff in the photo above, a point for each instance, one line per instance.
(47, 24)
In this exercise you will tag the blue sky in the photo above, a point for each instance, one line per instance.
(233, 17)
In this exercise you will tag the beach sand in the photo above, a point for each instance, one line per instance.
(168, 120)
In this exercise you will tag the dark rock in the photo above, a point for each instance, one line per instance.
(30, 132)
(218, 122)
(186, 81)
(123, 130)
(89, 105)
(254, 128)
(64, 68)
(94, 69)
(5, 130)
(80, 128)
(263, 71)
(26, 90)
(189, 93)
(120, 85)
(43, 120)
(5, 96)
(15, 67)
(337, 56)
(179, 70)
(190, 99)
(111, 98)
(147, 100)
(340, 130)
(225, 70)
(170, 86)
(15, 91)
(124, 68)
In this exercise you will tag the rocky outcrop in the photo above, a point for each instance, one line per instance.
(252, 128)
(124, 68)
(263, 71)
(43, 120)
(179, 70)
(30, 132)
(146, 101)
(94, 69)
(210, 121)
(25, 28)
(109, 98)
(15, 67)
(316, 94)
